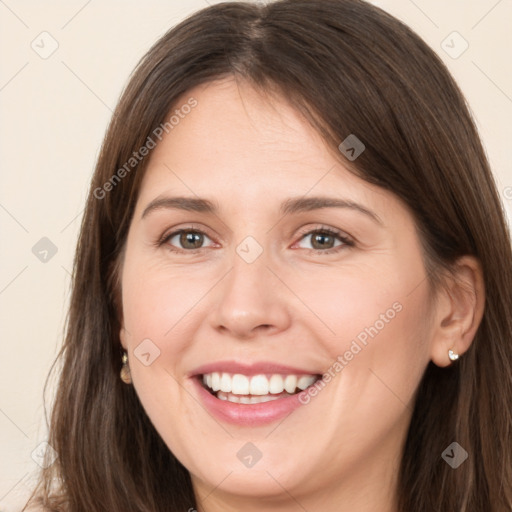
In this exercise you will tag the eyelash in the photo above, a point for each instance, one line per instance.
(347, 242)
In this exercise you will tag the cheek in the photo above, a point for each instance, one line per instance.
(154, 302)
(372, 323)
(356, 302)
(152, 305)
(156, 298)
(378, 356)
(381, 355)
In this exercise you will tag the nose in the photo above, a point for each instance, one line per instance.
(250, 301)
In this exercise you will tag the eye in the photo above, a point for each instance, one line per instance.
(188, 240)
(323, 240)
(191, 240)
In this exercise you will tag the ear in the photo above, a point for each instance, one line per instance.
(122, 337)
(459, 310)
(116, 273)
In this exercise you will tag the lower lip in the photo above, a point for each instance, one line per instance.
(247, 414)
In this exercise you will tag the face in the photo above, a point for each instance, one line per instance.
(272, 288)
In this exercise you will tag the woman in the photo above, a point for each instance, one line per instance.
(369, 369)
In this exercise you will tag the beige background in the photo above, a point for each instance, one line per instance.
(54, 112)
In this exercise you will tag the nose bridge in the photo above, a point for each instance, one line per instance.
(249, 298)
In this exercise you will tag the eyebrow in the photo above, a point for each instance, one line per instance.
(292, 205)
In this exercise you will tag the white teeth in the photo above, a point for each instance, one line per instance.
(290, 383)
(276, 384)
(305, 381)
(215, 385)
(225, 382)
(239, 384)
(259, 385)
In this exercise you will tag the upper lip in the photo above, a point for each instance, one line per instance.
(249, 369)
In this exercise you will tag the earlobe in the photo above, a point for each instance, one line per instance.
(459, 311)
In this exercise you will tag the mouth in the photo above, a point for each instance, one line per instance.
(254, 389)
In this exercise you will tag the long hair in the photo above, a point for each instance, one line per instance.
(349, 68)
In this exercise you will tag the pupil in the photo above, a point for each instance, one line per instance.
(187, 237)
(323, 237)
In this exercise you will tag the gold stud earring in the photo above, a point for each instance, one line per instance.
(125, 370)
(452, 355)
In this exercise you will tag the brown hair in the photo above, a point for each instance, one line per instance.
(350, 68)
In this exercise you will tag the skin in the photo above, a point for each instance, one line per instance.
(293, 305)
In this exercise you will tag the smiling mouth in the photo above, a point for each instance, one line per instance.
(255, 389)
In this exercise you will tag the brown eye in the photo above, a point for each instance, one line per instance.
(323, 240)
(193, 238)
(186, 240)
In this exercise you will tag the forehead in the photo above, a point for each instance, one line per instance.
(232, 119)
(238, 133)
(244, 146)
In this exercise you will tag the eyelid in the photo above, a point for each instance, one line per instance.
(346, 239)
(324, 228)
(187, 227)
